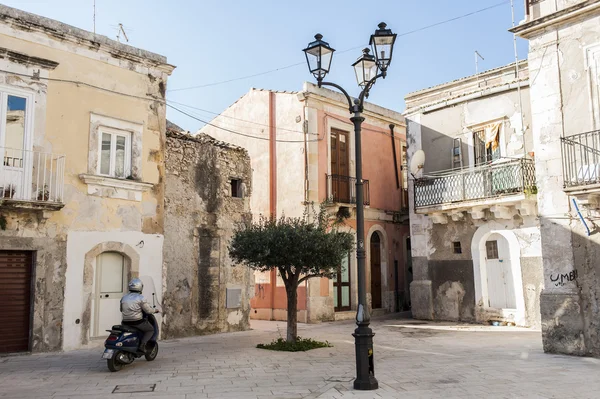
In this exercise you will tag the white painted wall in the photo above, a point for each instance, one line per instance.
(80, 243)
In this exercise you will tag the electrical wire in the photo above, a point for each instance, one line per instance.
(342, 51)
(238, 119)
(80, 83)
(159, 100)
(240, 133)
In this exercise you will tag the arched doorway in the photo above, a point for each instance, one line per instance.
(110, 284)
(500, 281)
(375, 252)
(496, 254)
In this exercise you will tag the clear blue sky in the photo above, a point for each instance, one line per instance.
(211, 41)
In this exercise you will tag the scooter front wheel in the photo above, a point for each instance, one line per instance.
(152, 354)
(113, 363)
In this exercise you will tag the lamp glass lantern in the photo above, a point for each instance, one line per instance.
(365, 68)
(318, 57)
(382, 43)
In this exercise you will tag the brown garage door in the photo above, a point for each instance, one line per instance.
(15, 300)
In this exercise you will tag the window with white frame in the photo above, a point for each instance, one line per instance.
(114, 158)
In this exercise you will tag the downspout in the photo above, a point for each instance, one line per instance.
(305, 129)
(272, 157)
(581, 217)
(396, 288)
(272, 185)
(306, 188)
(517, 72)
(394, 153)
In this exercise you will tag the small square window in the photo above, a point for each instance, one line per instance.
(237, 190)
(457, 248)
(491, 249)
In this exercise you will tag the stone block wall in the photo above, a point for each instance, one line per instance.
(200, 217)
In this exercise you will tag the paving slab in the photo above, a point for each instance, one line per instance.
(424, 360)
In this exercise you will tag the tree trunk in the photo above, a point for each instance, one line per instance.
(292, 312)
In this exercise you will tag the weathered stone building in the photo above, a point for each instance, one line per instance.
(474, 232)
(81, 182)
(302, 148)
(564, 62)
(208, 186)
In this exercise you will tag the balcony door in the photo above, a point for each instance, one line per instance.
(340, 169)
(341, 287)
(14, 121)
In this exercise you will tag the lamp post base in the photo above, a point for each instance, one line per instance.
(365, 371)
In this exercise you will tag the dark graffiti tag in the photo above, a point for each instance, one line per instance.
(561, 279)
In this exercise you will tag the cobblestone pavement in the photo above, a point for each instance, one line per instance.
(412, 360)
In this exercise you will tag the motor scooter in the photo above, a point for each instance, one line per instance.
(122, 346)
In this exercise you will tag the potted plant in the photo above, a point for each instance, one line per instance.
(43, 194)
(9, 191)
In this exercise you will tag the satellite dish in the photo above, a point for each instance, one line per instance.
(417, 161)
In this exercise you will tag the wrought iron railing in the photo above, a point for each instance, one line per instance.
(31, 176)
(581, 159)
(502, 177)
(342, 189)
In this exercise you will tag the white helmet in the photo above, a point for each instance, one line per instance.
(136, 285)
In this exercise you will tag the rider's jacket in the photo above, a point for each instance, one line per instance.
(133, 306)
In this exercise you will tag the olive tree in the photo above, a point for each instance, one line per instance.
(299, 248)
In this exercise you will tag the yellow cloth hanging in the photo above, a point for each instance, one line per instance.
(492, 136)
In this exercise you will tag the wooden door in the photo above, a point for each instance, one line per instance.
(501, 289)
(341, 287)
(15, 297)
(111, 283)
(376, 271)
(340, 169)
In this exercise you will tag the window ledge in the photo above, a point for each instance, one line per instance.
(104, 186)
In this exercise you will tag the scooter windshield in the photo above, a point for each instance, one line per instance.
(150, 294)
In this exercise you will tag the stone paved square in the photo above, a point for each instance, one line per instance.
(413, 359)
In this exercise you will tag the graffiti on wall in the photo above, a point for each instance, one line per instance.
(562, 278)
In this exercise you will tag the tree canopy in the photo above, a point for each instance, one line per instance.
(299, 248)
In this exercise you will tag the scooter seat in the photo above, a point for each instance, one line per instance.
(125, 328)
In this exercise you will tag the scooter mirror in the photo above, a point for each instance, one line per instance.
(150, 294)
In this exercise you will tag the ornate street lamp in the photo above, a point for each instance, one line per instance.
(318, 57)
(368, 69)
(365, 68)
(382, 43)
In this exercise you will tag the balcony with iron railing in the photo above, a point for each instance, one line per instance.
(581, 162)
(342, 190)
(31, 179)
(500, 184)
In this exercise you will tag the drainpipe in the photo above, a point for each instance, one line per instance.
(272, 185)
(517, 72)
(272, 157)
(394, 153)
(305, 129)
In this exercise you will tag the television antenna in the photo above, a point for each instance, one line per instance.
(121, 29)
(477, 57)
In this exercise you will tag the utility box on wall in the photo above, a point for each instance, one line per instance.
(234, 298)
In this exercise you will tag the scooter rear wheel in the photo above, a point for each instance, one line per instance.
(113, 363)
(152, 354)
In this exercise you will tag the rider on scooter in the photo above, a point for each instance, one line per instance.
(133, 307)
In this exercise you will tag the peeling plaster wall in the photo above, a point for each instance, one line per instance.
(444, 285)
(562, 106)
(61, 125)
(201, 216)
